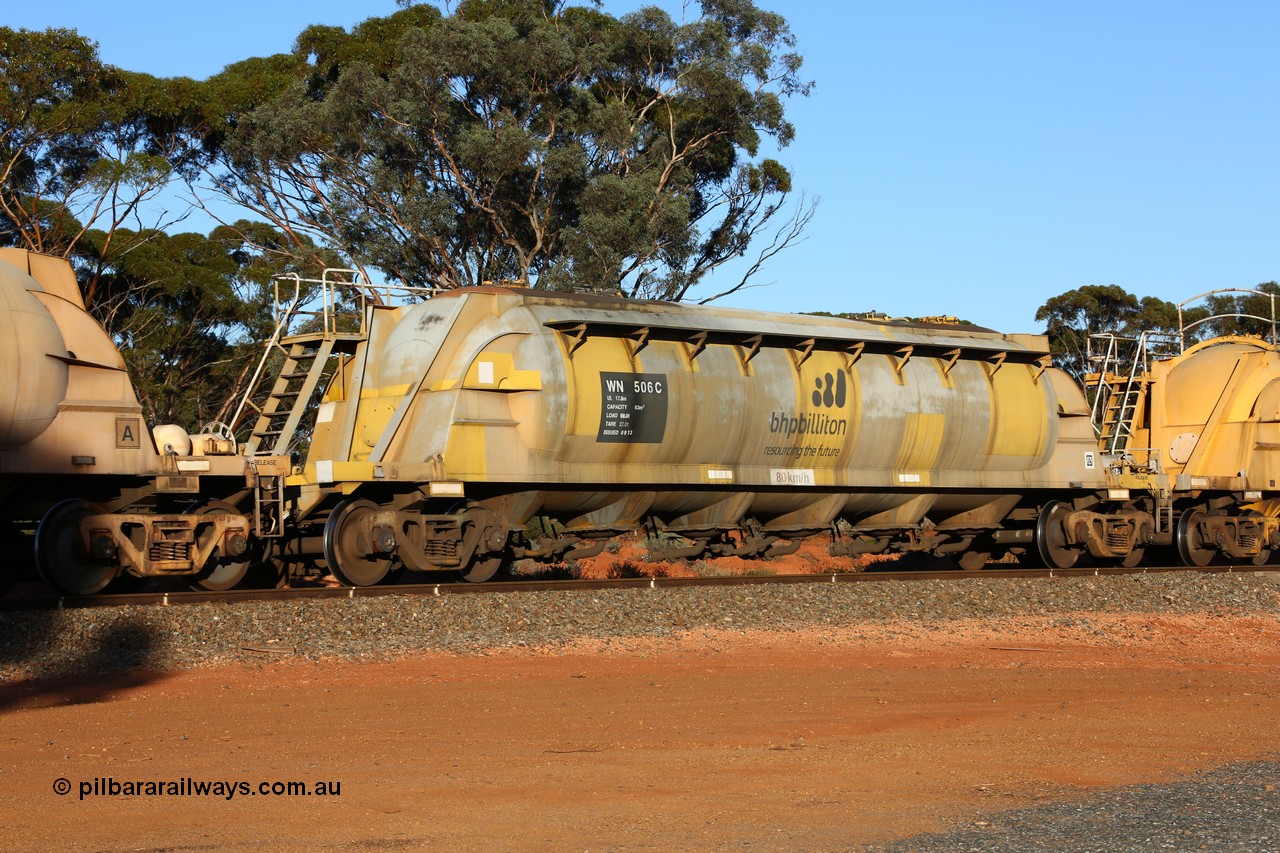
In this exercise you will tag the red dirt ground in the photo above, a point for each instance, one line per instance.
(827, 740)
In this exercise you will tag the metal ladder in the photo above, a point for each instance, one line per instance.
(1120, 386)
(304, 359)
(304, 363)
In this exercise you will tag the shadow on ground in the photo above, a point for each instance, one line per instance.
(52, 657)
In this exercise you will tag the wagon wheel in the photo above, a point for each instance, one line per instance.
(220, 572)
(1134, 557)
(353, 558)
(1191, 547)
(480, 570)
(267, 569)
(1051, 537)
(61, 558)
(491, 552)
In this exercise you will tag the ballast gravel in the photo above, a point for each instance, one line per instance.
(1234, 809)
(94, 640)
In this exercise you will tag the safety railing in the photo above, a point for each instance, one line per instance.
(1267, 321)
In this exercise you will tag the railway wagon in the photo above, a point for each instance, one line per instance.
(491, 423)
(1192, 444)
(108, 497)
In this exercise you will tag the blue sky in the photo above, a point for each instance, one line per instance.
(973, 158)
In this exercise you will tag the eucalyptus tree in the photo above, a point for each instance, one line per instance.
(526, 140)
(1072, 318)
(52, 127)
(85, 146)
(189, 312)
(85, 152)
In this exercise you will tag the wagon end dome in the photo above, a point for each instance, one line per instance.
(32, 358)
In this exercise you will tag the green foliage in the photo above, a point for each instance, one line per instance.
(510, 140)
(1073, 317)
(187, 310)
(172, 307)
(82, 144)
(524, 140)
(53, 120)
(83, 147)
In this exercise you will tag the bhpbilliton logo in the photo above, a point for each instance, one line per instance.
(830, 391)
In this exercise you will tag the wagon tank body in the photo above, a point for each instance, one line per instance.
(1215, 415)
(76, 457)
(734, 429)
(1201, 445)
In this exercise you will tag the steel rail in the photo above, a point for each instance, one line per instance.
(183, 597)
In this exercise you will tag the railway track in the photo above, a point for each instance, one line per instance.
(186, 597)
